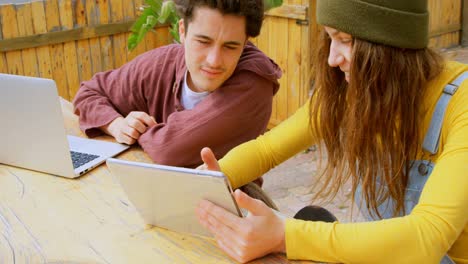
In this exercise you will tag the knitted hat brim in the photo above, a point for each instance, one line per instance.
(375, 23)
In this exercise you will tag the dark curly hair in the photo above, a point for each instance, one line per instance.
(252, 10)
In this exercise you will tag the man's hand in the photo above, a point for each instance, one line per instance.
(127, 130)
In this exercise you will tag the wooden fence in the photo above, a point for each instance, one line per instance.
(69, 41)
(290, 37)
(445, 23)
(285, 38)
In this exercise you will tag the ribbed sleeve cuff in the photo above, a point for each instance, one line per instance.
(307, 240)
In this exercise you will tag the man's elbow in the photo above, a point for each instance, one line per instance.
(172, 157)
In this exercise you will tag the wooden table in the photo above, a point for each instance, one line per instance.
(49, 219)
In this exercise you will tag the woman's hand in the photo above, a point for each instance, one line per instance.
(209, 160)
(261, 232)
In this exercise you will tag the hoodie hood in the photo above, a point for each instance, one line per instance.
(254, 60)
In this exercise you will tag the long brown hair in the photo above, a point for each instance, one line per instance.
(369, 127)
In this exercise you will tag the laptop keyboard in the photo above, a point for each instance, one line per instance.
(79, 158)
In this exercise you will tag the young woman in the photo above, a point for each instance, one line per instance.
(392, 118)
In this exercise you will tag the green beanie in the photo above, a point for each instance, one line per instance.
(398, 23)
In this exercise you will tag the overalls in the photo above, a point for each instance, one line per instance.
(420, 170)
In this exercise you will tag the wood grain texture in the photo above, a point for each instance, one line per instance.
(107, 60)
(119, 40)
(72, 40)
(445, 23)
(49, 219)
(57, 56)
(82, 49)
(294, 62)
(141, 48)
(309, 45)
(3, 63)
(289, 9)
(69, 48)
(25, 28)
(129, 14)
(277, 50)
(263, 43)
(10, 30)
(93, 18)
(58, 37)
(40, 27)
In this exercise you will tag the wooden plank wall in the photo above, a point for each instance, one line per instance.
(71, 62)
(289, 44)
(284, 37)
(74, 61)
(445, 23)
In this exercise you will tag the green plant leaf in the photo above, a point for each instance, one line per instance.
(154, 5)
(164, 11)
(150, 23)
(141, 20)
(167, 10)
(131, 42)
(174, 30)
(269, 4)
(144, 22)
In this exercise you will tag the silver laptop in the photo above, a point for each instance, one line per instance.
(32, 133)
(167, 196)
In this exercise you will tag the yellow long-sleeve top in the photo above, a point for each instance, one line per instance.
(437, 225)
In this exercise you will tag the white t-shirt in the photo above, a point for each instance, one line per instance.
(189, 98)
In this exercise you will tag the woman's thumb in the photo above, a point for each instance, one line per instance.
(254, 206)
(208, 157)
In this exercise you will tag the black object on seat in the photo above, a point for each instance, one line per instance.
(315, 213)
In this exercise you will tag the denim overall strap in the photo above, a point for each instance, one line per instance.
(420, 170)
(431, 141)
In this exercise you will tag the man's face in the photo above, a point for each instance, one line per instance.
(213, 44)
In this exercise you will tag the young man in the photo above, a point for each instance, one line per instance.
(215, 89)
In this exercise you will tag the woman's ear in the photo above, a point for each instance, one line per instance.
(181, 31)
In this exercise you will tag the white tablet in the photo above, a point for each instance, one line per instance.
(167, 196)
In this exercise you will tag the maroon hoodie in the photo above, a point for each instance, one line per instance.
(234, 113)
